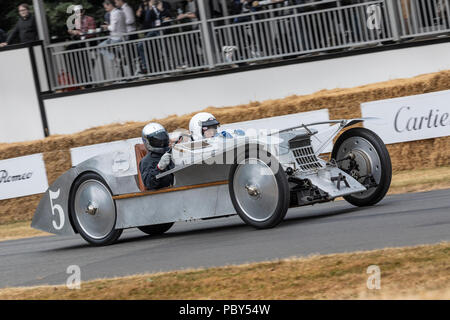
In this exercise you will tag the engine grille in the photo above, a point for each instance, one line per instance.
(304, 154)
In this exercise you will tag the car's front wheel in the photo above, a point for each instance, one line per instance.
(259, 191)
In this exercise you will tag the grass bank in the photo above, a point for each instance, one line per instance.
(19, 230)
(414, 272)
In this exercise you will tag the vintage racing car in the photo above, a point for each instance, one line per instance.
(258, 175)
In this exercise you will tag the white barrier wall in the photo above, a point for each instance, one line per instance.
(20, 118)
(78, 112)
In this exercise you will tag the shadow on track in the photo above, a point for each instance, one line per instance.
(240, 225)
(229, 227)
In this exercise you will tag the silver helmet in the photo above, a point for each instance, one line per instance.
(155, 138)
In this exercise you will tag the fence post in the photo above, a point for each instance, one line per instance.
(41, 23)
(206, 33)
(394, 16)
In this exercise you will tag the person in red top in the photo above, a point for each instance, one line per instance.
(78, 31)
(83, 23)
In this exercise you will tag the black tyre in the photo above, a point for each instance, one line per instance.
(156, 229)
(259, 191)
(362, 154)
(93, 210)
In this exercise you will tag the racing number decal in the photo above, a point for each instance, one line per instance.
(58, 208)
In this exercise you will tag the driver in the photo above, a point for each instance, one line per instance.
(158, 159)
(203, 126)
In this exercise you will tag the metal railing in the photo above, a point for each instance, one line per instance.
(280, 31)
(99, 60)
(423, 17)
(292, 31)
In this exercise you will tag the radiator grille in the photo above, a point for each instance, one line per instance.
(306, 158)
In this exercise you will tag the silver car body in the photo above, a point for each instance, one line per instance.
(201, 179)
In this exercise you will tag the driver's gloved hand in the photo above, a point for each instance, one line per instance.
(165, 161)
(225, 135)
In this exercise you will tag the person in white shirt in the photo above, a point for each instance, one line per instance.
(130, 18)
(117, 27)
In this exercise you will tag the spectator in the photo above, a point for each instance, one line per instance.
(130, 19)
(215, 9)
(117, 27)
(83, 23)
(117, 24)
(25, 28)
(167, 7)
(2, 36)
(154, 17)
(189, 11)
(140, 13)
(106, 17)
(242, 7)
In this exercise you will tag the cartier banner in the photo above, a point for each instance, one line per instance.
(410, 118)
(22, 176)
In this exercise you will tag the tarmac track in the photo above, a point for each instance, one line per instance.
(399, 220)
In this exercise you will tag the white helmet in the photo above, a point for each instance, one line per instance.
(200, 123)
(155, 138)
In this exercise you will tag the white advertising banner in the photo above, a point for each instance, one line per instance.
(124, 154)
(22, 176)
(410, 118)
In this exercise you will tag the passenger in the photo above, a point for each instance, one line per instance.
(158, 159)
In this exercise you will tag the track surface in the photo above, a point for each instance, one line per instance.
(399, 220)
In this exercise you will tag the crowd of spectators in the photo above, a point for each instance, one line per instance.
(150, 14)
(120, 17)
(123, 22)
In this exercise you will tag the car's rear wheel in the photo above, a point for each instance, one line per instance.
(259, 191)
(93, 210)
(362, 154)
(156, 229)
